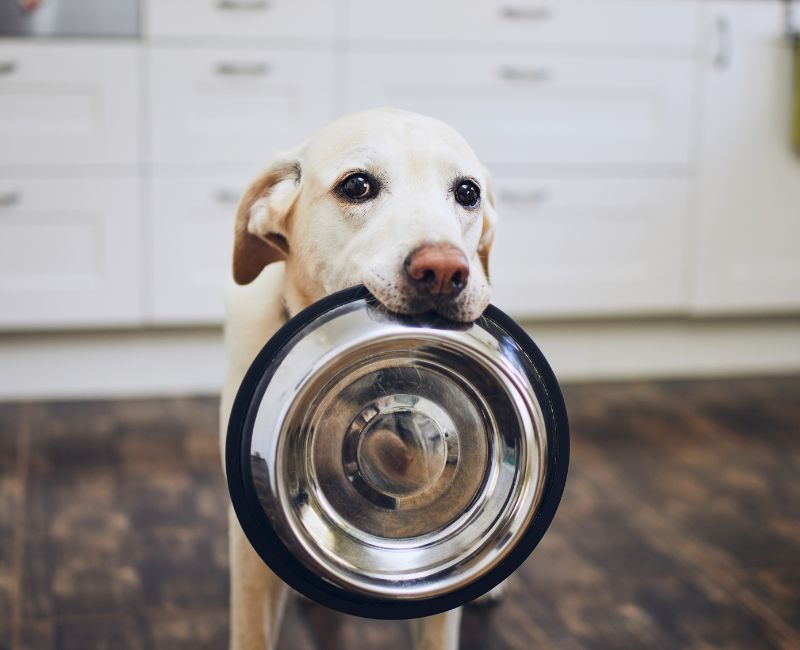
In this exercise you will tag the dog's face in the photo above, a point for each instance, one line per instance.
(393, 200)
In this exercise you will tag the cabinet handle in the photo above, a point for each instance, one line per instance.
(243, 5)
(226, 197)
(231, 69)
(536, 196)
(724, 51)
(533, 14)
(9, 199)
(7, 67)
(537, 74)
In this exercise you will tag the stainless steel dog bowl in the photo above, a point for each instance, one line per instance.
(391, 466)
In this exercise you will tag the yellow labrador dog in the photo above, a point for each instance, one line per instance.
(394, 200)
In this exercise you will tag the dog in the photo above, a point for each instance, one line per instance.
(393, 200)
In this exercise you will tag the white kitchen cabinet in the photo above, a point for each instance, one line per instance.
(578, 247)
(623, 150)
(69, 103)
(539, 109)
(748, 207)
(69, 252)
(261, 19)
(235, 105)
(192, 243)
(584, 24)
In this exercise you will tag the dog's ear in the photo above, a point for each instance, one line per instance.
(261, 234)
(489, 221)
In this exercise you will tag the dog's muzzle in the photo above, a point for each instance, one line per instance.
(392, 466)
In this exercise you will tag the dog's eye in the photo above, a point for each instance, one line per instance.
(358, 186)
(467, 194)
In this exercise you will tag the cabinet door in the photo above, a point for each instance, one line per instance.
(229, 106)
(69, 252)
(68, 104)
(261, 19)
(748, 252)
(192, 243)
(602, 246)
(542, 108)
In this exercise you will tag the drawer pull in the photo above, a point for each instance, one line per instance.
(533, 14)
(226, 197)
(230, 69)
(7, 67)
(9, 199)
(536, 196)
(536, 74)
(243, 5)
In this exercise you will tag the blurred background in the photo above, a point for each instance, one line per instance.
(646, 160)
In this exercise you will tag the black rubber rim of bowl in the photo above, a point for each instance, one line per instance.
(274, 553)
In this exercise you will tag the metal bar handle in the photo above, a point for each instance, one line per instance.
(724, 51)
(538, 13)
(243, 5)
(535, 196)
(793, 19)
(7, 67)
(233, 69)
(9, 199)
(514, 73)
(226, 196)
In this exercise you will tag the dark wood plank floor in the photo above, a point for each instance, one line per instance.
(680, 528)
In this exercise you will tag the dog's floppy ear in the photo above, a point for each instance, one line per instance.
(489, 221)
(262, 220)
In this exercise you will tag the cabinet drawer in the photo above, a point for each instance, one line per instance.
(540, 109)
(585, 23)
(69, 252)
(192, 244)
(68, 104)
(228, 106)
(256, 18)
(589, 246)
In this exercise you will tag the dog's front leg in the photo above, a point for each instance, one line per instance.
(257, 595)
(439, 632)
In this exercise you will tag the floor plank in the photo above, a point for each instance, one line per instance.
(679, 528)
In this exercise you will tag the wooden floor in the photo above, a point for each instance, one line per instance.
(680, 528)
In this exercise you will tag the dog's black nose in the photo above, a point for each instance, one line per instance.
(438, 270)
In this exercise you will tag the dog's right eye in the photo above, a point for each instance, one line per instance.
(358, 187)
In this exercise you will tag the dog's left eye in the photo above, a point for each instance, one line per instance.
(467, 194)
(358, 187)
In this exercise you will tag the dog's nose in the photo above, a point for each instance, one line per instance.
(438, 269)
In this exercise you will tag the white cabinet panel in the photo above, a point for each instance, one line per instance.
(583, 23)
(192, 244)
(69, 252)
(568, 247)
(228, 106)
(748, 250)
(309, 19)
(539, 109)
(68, 104)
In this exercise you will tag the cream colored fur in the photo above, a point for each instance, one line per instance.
(297, 241)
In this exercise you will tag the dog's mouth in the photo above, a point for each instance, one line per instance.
(464, 308)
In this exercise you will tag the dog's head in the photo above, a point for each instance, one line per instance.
(393, 200)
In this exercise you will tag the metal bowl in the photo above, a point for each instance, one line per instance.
(391, 466)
